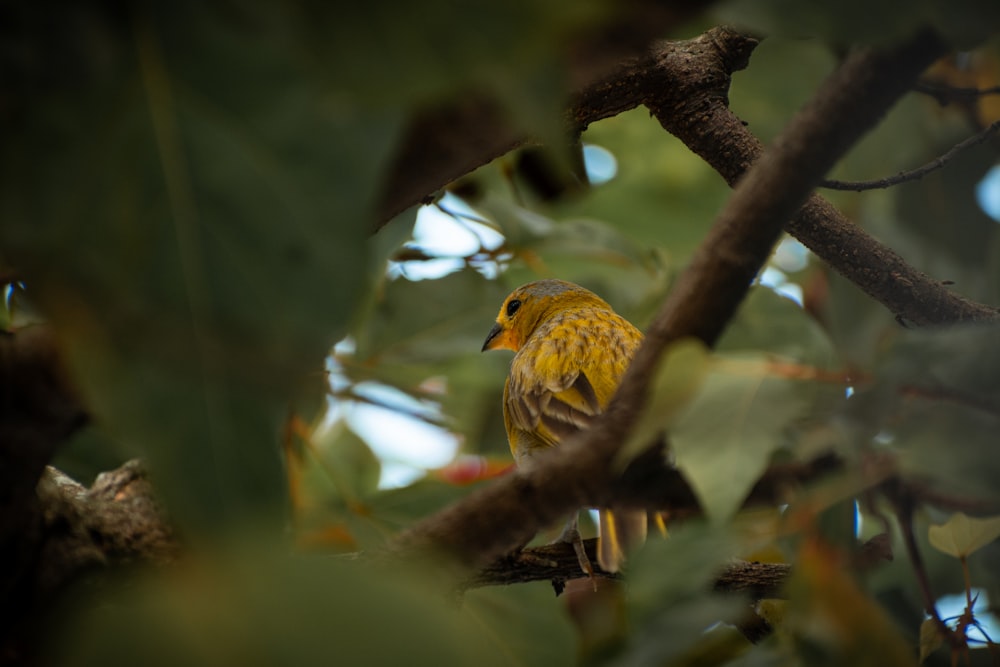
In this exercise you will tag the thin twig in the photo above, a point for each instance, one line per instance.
(413, 413)
(904, 515)
(944, 93)
(919, 172)
(954, 396)
(925, 494)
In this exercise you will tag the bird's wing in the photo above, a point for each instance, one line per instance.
(551, 411)
(559, 384)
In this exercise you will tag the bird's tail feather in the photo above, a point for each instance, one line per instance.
(620, 531)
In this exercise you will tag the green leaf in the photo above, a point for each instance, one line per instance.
(945, 443)
(935, 401)
(697, 549)
(399, 51)
(349, 462)
(527, 624)
(855, 21)
(173, 211)
(473, 404)
(399, 508)
(769, 322)
(858, 326)
(961, 535)
(832, 620)
(930, 638)
(670, 599)
(629, 275)
(276, 609)
(682, 370)
(419, 322)
(663, 196)
(562, 240)
(725, 437)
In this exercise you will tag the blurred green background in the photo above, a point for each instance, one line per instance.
(187, 194)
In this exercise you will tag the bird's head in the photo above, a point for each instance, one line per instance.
(529, 305)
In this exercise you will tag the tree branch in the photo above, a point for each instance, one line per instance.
(72, 530)
(497, 518)
(945, 94)
(685, 84)
(558, 563)
(904, 514)
(919, 172)
(699, 117)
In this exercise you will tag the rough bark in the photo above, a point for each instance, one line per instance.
(558, 563)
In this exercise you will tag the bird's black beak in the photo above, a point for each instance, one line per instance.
(494, 332)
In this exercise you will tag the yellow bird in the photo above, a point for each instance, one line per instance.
(571, 351)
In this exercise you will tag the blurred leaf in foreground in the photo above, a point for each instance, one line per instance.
(832, 621)
(935, 401)
(304, 610)
(190, 212)
(743, 413)
(671, 605)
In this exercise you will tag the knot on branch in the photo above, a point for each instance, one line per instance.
(734, 47)
(687, 77)
(118, 520)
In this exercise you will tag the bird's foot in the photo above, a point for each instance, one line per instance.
(571, 535)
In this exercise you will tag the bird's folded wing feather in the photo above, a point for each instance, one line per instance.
(556, 395)
(553, 413)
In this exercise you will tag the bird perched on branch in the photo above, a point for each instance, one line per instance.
(571, 351)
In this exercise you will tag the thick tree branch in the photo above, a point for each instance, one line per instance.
(118, 520)
(698, 116)
(686, 85)
(74, 530)
(497, 518)
(558, 563)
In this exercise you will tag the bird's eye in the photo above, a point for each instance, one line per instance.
(512, 307)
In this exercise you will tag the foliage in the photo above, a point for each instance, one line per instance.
(187, 194)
